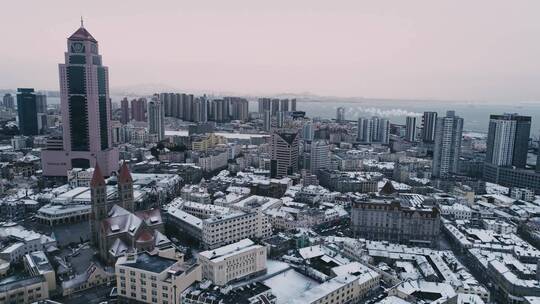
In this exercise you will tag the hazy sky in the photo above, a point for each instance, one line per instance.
(452, 49)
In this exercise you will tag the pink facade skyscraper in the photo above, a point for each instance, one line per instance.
(86, 111)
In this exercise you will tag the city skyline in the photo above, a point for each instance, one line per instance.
(408, 53)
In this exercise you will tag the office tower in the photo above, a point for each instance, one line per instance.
(124, 111)
(284, 105)
(267, 120)
(365, 127)
(340, 114)
(307, 132)
(264, 105)
(138, 109)
(27, 112)
(85, 106)
(8, 101)
(448, 133)
(410, 129)
(429, 120)
(275, 106)
(293, 105)
(320, 156)
(508, 140)
(156, 117)
(41, 103)
(239, 109)
(284, 153)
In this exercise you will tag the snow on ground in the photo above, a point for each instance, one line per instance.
(289, 285)
(274, 266)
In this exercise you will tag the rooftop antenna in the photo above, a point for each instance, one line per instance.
(82, 22)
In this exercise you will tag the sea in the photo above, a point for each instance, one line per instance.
(474, 114)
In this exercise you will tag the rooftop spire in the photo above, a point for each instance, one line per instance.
(82, 22)
(97, 178)
(124, 176)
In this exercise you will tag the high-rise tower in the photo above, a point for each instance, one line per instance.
(156, 117)
(508, 140)
(429, 119)
(86, 110)
(124, 111)
(410, 129)
(284, 156)
(448, 133)
(27, 112)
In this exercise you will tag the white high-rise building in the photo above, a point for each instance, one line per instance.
(340, 114)
(448, 133)
(320, 156)
(410, 129)
(374, 130)
(156, 117)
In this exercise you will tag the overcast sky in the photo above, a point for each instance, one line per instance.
(452, 49)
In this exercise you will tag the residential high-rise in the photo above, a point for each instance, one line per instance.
(220, 110)
(410, 129)
(340, 114)
(284, 153)
(280, 119)
(8, 101)
(200, 110)
(156, 117)
(264, 104)
(284, 105)
(188, 99)
(307, 132)
(41, 103)
(275, 106)
(364, 130)
(293, 104)
(383, 131)
(373, 130)
(239, 109)
(320, 156)
(86, 110)
(429, 120)
(124, 111)
(138, 109)
(27, 112)
(508, 140)
(267, 120)
(448, 134)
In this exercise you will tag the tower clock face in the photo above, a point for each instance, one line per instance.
(77, 47)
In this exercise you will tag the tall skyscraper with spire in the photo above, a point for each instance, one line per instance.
(86, 110)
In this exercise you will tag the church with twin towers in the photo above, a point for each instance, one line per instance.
(86, 111)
